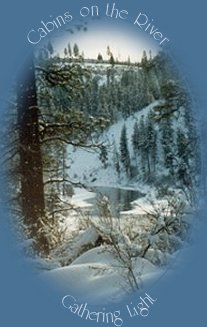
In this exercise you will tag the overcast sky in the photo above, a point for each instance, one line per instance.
(124, 42)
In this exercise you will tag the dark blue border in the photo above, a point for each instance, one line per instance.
(25, 300)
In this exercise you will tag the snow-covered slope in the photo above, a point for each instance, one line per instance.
(95, 271)
(85, 165)
(96, 278)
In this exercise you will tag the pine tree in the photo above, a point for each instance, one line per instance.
(108, 51)
(142, 146)
(124, 152)
(168, 145)
(183, 172)
(111, 60)
(100, 57)
(65, 52)
(82, 56)
(150, 55)
(31, 165)
(151, 144)
(103, 157)
(69, 51)
(76, 50)
(116, 160)
(135, 140)
(144, 59)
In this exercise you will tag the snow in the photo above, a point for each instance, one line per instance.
(88, 236)
(97, 276)
(85, 165)
(114, 131)
(79, 201)
(80, 197)
(95, 273)
(140, 207)
(87, 168)
(82, 242)
(40, 264)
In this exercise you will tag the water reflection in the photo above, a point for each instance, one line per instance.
(119, 199)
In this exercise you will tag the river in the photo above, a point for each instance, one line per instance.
(119, 199)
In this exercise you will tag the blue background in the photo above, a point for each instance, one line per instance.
(26, 301)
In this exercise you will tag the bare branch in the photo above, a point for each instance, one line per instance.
(75, 144)
(62, 180)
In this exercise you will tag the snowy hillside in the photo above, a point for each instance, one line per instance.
(121, 240)
(113, 156)
(95, 276)
(86, 166)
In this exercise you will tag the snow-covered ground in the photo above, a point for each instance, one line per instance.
(94, 270)
(80, 197)
(97, 276)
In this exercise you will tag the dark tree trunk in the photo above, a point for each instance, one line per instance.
(31, 169)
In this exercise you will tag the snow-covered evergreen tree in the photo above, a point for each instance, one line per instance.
(151, 146)
(135, 139)
(168, 147)
(103, 156)
(124, 152)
